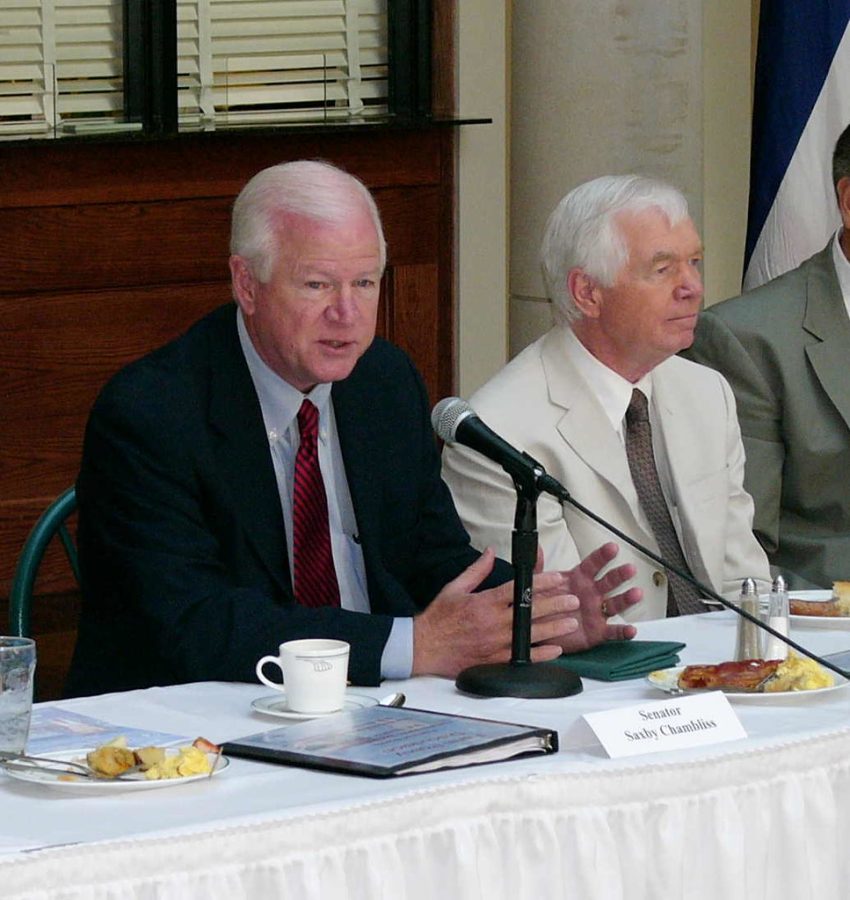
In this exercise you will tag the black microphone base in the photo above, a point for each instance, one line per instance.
(519, 680)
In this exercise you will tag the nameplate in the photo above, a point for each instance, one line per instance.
(661, 725)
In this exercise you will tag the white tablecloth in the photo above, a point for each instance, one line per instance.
(763, 817)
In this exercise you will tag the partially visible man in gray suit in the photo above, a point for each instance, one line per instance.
(785, 348)
(621, 260)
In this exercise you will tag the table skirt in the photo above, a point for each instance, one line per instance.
(766, 823)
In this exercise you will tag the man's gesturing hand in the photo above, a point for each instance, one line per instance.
(461, 629)
(597, 602)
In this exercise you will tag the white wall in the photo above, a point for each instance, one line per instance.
(482, 80)
(596, 86)
(727, 113)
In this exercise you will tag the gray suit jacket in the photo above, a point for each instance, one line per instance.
(785, 348)
(540, 403)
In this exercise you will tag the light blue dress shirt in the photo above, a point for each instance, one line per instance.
(280, 402)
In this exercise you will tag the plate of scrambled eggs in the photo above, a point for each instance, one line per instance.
(164, 767)
(796, 678)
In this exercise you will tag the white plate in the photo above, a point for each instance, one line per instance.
(809, 595)
(275, 705)
(667, 680)
(134, 782)
(817, 621)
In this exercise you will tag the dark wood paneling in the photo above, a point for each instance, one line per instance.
(443, 81)
(412, 223)
(59, 349)
(412, 321)
(212, 165)
(103, 245)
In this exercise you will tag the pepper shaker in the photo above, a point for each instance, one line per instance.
(749, 633)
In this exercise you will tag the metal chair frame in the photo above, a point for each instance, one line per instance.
(52, 522)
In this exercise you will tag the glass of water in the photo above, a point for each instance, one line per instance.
(17, 668)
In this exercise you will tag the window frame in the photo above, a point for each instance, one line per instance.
(150, 82)
(150, 66)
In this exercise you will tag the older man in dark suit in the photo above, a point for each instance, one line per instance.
(272, 475)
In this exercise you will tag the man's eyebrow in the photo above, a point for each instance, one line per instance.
(666, 255)
(662, 256)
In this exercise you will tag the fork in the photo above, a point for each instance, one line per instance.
(22, 762)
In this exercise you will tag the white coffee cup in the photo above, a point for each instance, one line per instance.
(315, 672)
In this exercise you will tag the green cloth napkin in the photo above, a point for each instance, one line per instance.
(620, 660)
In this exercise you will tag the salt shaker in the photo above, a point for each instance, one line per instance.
(749, 633)
(777, 618)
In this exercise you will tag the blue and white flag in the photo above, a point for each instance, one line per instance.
(801, 106)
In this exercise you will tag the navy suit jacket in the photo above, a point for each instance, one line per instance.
(183, 554)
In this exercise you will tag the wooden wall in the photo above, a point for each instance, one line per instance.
(112, 248)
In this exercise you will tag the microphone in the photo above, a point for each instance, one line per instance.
(455, 421)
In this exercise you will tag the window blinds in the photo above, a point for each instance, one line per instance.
(261, 61)
(60, 65)
(240, 62)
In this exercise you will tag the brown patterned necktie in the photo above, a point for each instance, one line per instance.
(682, 597)
(314, 576)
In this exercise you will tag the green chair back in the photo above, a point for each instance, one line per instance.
(52, 522)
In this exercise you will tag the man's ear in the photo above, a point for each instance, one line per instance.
(843, 191)
(585, 293)
(244, 284)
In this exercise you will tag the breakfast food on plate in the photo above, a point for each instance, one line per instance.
(187, 761)
(838, 605)
(115, 758)
(207, 746)
(111, 759)
(795, 673)
(149, 756)
(799, 673)
(799, 607)
(841, 589)
(741, 675)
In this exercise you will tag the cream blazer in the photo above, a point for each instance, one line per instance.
(540, 404)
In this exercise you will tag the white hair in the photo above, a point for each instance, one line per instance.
(583, 232)
(310, 188)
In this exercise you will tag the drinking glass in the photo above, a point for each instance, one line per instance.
(17, 668)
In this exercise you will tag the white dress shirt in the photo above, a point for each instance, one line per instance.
(842, 269)
(614, 394)
(279, 403)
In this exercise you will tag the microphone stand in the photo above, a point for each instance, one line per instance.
(530, 480)
(520, 677)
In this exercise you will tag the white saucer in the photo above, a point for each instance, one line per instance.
(275, 705)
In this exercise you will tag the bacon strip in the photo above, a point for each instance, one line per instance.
(742, 675)
(814, 607)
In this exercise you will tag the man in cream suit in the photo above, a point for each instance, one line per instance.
(621, 260)
(785, 348)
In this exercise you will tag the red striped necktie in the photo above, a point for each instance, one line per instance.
(313, 566)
